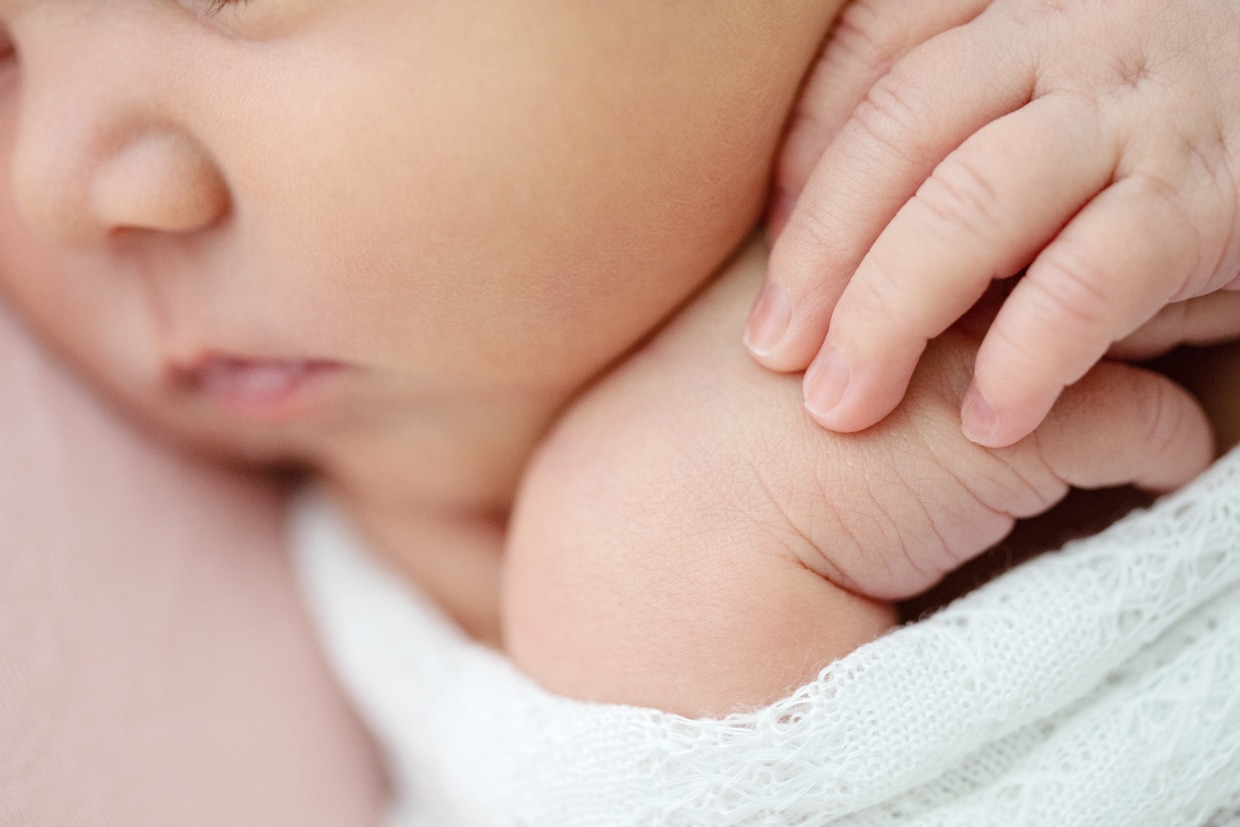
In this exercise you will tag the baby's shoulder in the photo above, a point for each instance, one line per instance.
(687, 421)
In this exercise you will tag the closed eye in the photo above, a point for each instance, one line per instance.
(216, 6)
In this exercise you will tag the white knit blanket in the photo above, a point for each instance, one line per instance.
(1099, 685)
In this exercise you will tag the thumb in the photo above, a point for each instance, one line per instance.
(868, 39)
(1204, 320)
(1125, 425)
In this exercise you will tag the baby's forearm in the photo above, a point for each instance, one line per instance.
(688, 539)
(639, 569)
(698, 634)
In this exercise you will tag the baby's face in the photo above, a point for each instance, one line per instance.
(266, 222)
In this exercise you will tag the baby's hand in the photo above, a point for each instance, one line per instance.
(686, 539)
(954, 142)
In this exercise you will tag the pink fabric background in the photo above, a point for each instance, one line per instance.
(155, 665)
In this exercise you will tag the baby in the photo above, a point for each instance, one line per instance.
(395, 243)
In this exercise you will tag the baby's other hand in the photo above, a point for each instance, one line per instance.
(686, 539)
(941, 145)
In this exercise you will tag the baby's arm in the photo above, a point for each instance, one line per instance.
(941, 145)
(686, 539)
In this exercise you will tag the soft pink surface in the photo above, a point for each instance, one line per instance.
(155, 665)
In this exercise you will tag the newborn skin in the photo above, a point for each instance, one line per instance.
(383, 241)
(688, 539)
(939, 146)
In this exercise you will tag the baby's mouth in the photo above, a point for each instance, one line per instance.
(261, 388)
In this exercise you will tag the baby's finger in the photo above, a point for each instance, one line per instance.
(1121, 259)
(913, 118)
(868, 39)
(1123, 425)
(983, 214)
(1205, 320)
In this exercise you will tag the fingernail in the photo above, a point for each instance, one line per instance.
(978, 418)
(768, 321)
(826, 382)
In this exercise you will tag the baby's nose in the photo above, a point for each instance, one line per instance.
(77, 189)
(161, 181)
(97, 150)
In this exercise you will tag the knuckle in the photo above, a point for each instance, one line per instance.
(1213, 240)
(864, 34)
(894, 117)
(1018, 354)
(874, 295)
(812, 235)
(1157, 188)
(1176, 217)
(1068, 283)
(959, 197)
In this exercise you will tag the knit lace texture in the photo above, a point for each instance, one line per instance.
(1095, 685)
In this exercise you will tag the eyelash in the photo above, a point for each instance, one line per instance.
(218, 6)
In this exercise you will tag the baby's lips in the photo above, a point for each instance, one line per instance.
(262, 388)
